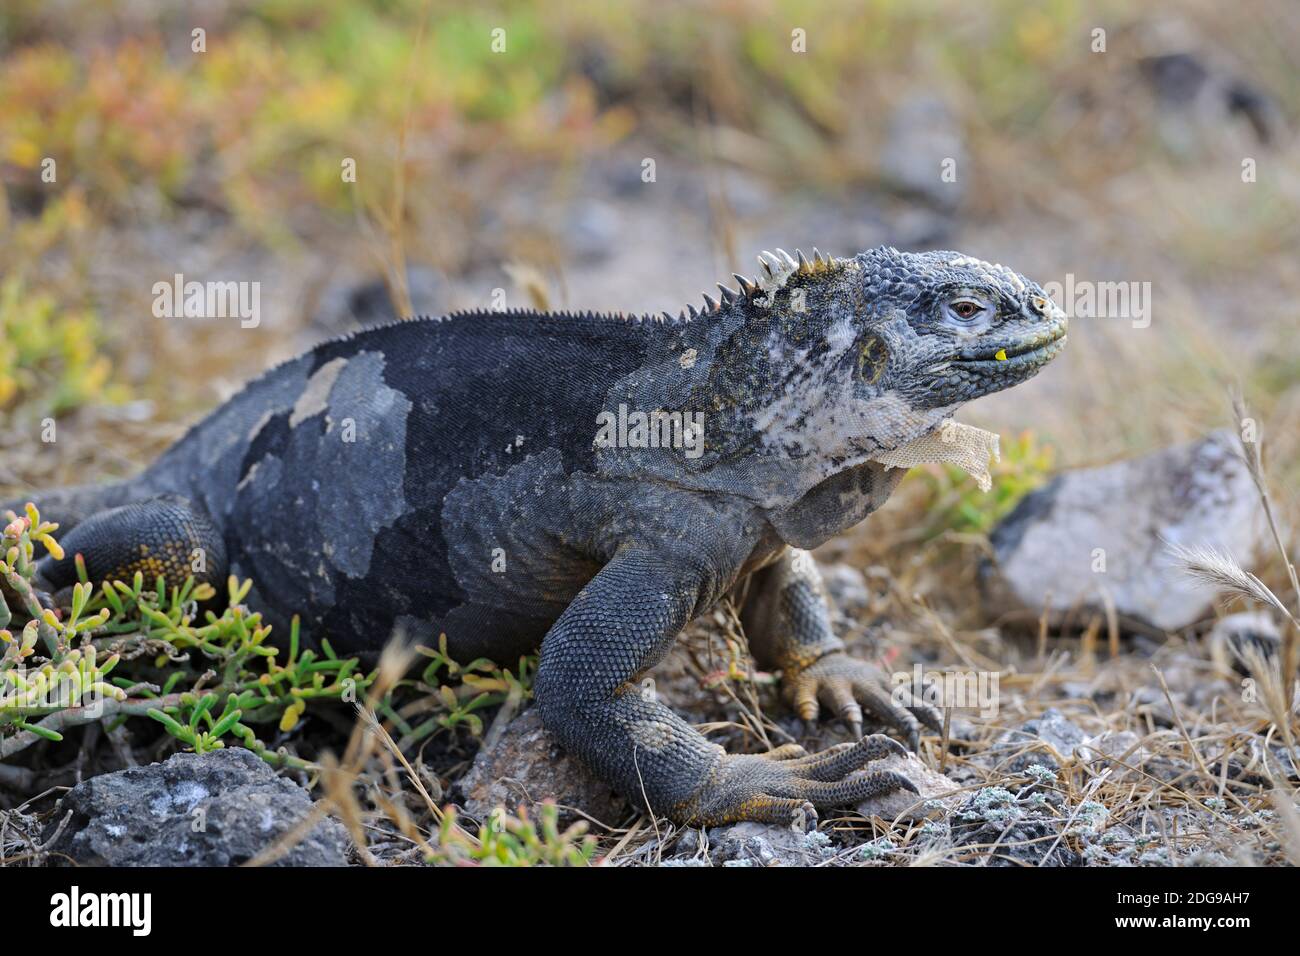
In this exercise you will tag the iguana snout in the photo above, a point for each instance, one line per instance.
(1009, 352)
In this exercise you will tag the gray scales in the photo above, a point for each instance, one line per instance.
(452, 475)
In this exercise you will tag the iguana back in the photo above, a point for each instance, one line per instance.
(328, 474)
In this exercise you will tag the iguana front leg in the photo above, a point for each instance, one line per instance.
(588, 687)
(788, 625)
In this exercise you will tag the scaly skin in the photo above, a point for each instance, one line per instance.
(451, 475)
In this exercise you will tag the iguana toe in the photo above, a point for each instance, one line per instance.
(770, 789)
(847, 685)
(834, 762)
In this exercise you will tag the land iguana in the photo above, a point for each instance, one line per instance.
(492, 476)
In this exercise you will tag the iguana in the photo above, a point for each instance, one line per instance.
(589, 484)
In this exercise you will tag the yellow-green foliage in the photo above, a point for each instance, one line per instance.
(282, 95)
(229, 657)
(284, 90)
(208, 678)
(50, 359)
(462, 690)
(69, 673)
(508, 839)
(955, 503)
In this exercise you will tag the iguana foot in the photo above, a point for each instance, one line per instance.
(782, 787)
(840, 682)
(165, 535)
(788, 624)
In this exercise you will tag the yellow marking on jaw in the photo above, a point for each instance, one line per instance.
(1001, 355)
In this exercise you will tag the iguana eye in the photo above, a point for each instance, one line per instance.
(966, 310)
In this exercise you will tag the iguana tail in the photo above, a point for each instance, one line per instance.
(71, 505)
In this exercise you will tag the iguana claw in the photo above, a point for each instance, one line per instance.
(777, 788)
(840, 682)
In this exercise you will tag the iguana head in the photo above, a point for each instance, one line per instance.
(819, 365)
(838, 358)
(951, 327)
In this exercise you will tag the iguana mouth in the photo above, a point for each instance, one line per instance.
(1027, 351)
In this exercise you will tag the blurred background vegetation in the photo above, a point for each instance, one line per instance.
(522, 169)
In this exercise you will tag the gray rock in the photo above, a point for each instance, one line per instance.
(846, 586)
(1198, 98)
(937, 792)
(689, 842)
(1050, 551)
(216, 809)
(1022, 827)
(593, 229)
(1049, 740)
(766, 844)
(923, 134)
(1113, 745)
(526, 766)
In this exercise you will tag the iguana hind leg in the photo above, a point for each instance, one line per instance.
(166, 536)
(592, 699)
(788, 624)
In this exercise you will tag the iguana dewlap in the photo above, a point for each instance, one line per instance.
(589, 484)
